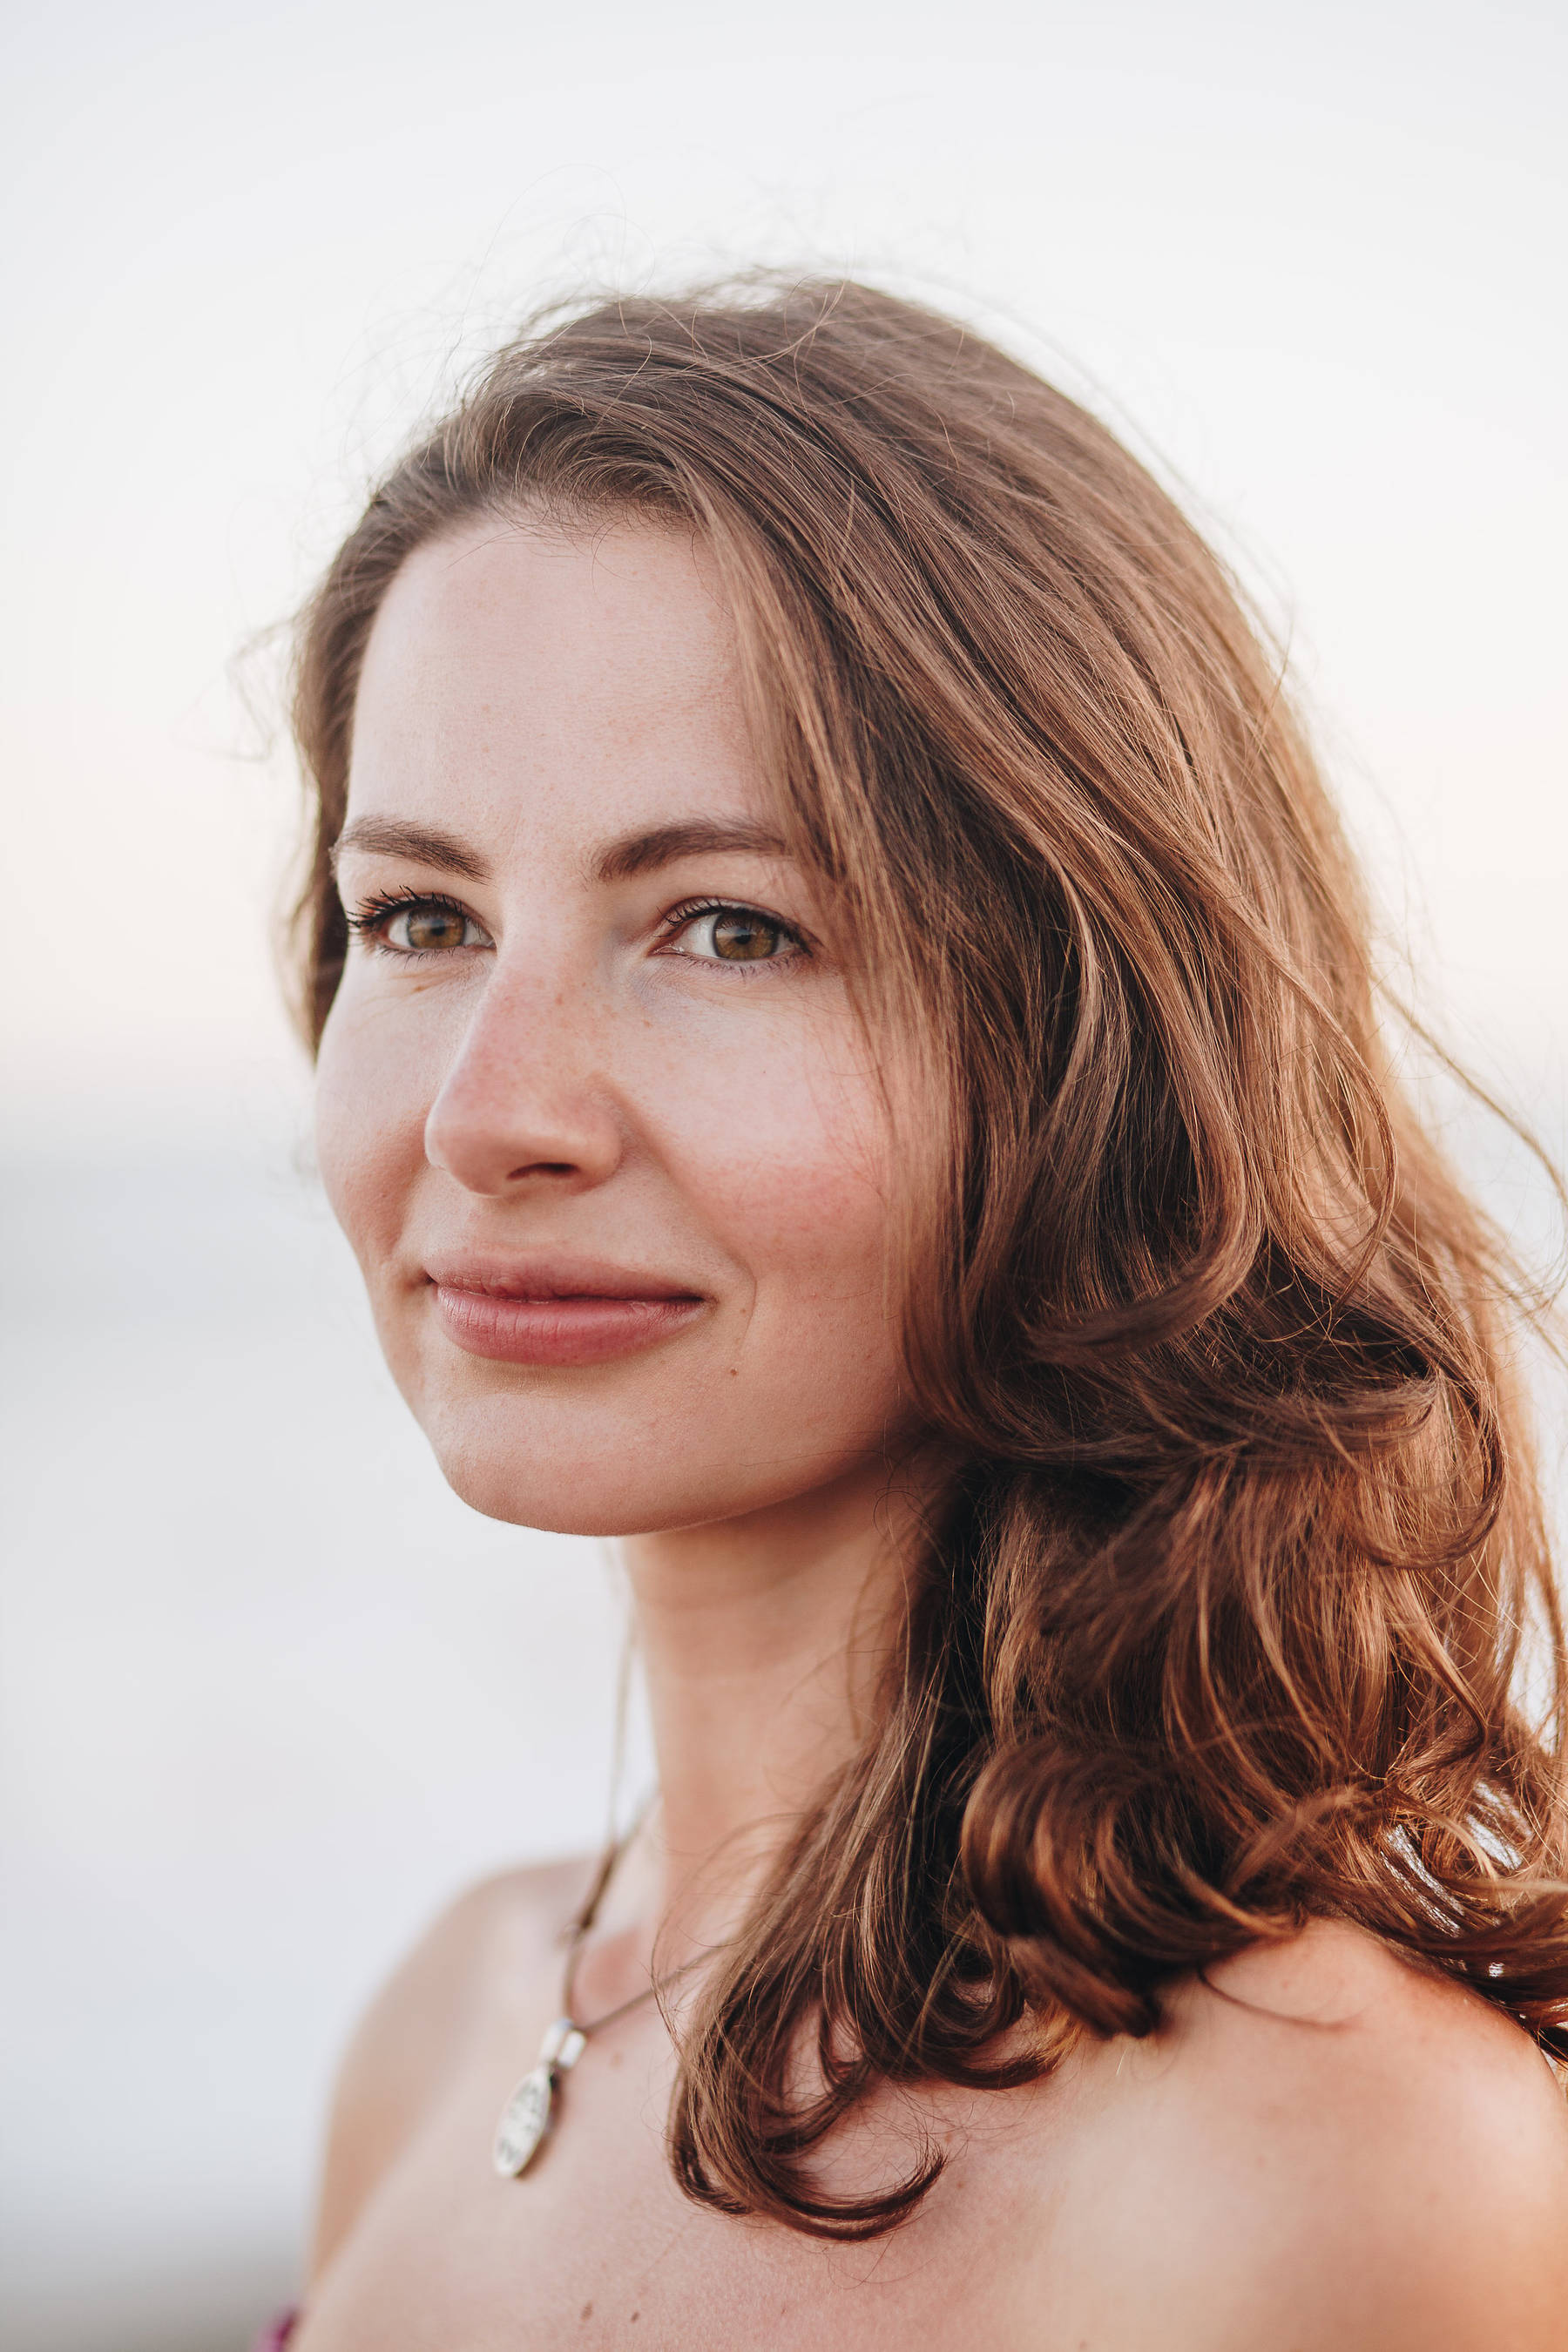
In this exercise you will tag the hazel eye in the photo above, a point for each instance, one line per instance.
(420, 929)
(415, 927)
(738, 935)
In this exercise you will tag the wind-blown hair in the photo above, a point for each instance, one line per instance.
(1229, 1618)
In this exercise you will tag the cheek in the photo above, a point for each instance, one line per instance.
(371, 1101)
(791, 1174)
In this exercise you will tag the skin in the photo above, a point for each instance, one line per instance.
(1320, 2148)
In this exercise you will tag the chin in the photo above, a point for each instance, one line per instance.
(525, 1462)
(535, 1480)
(556, 1505)
(564, 1478)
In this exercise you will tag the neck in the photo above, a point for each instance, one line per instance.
(763, 1642)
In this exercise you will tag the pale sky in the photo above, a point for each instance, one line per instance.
(1309, 257)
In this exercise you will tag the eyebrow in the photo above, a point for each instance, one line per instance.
(422, 844)
(622, 861)
(642, 853)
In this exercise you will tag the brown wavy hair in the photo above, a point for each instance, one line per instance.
(1228, 1620)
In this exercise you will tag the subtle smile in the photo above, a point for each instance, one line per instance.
(563, 1312)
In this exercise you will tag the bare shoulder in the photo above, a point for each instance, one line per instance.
(416, 2027)
(1340, 2008)
(1322, 2146)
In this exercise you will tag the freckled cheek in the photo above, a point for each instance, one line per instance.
(803, 1209)
(374, 1092)
(795, 1186)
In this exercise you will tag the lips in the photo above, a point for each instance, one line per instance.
(560, 1311)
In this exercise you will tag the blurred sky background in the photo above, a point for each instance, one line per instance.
(272, 1693)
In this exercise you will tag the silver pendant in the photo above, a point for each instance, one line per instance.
(526, 2116)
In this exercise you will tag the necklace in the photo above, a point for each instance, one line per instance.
(529, 2112)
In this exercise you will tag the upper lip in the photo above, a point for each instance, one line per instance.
(555, 1275)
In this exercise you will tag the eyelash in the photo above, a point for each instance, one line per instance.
(691, 911)
(364, 921)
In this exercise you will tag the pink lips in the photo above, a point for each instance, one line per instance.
(557, 1310)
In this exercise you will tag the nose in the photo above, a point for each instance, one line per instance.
(522, 1103)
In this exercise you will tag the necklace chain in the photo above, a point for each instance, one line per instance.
(529, 2112)
(585, 2027)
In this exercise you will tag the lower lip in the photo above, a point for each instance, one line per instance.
(581, 1331)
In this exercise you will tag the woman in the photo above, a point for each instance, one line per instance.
(850, 1062)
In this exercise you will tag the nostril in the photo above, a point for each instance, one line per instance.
(542, 1167)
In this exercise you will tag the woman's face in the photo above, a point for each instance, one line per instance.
(595, 1111)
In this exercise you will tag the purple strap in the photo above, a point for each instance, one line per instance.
(275, 2339)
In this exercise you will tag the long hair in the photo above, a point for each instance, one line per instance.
(1241, 1610)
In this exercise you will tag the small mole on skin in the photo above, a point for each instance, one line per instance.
(587, 2312)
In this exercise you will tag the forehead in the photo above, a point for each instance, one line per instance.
(519, 675)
